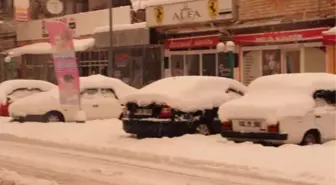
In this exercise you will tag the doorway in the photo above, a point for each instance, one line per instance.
(292, 61)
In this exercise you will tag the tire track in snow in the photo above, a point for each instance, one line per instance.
(222, 173)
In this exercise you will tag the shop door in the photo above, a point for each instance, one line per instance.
(193, 64)
(177, 65)
(292, 61)
(209, 64)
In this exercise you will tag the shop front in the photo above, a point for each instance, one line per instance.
(294, 51)
(189, 51)
(33, 53)
(135, 61)
(329, 40)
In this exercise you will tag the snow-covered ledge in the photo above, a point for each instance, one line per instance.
(331, 31)
(45, 47)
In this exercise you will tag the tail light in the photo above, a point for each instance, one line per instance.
(227, 126)
(273, 128)
(166, 112)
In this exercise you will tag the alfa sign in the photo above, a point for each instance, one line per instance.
(189, 12)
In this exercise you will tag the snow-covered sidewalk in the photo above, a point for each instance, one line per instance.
(314, 164)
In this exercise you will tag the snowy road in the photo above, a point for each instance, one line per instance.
(72, 166)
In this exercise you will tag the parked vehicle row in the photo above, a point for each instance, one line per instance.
(283, 108)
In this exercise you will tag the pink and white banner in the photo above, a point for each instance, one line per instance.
(65, 63)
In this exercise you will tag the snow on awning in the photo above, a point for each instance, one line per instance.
(142, 4)
(45, 47)
(331, 31)
(329, 36)
(120, 27)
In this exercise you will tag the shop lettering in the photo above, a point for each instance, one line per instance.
(295, 37)
(186, 14)
(204, 42)
(190, 43)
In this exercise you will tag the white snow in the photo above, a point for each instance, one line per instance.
(142, 4)
(277, 96)
(9, 86)
(13, 178)
(120, 27)
(45, 47)
(47, 101)
(331, 31)
(312, 164)
(187, 93)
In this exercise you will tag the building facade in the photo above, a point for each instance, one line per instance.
(283, 36)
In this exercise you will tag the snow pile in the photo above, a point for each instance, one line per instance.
(187, 93)
(120, 27)
(45, 47)
(277, 96)
(9, 86)
(12, 178)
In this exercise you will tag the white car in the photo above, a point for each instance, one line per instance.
(179, 105)
(12, 90)
(99, 100)
(283, 108)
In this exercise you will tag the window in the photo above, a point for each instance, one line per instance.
(81, 6)
(325, 97)
(35, 90)
(89, 93)
(108, 93)
(19, 93)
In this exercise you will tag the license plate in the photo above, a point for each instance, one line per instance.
(143, 112)
(251, 124)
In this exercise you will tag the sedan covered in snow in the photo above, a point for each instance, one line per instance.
(99, 98)
(179, 105)
(283, 108)
(12, 90)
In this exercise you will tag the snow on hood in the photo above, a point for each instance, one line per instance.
(187, 93)
(8, 86)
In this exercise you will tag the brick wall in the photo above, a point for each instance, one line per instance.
(301, 9)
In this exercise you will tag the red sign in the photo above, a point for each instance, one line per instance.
(282, 36)
(192, 42)
(329, 39)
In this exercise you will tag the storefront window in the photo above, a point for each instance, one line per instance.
(292, 61)
(224, 65)
(193, 64)
(209, 64)
(314, 59)
(177, 65)
(271, 62)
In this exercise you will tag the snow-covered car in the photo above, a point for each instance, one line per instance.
(99, 98)
(179, 105)
(12, 90)
(283, 108)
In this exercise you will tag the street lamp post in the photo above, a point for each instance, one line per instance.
(110, 50)
(228, 48)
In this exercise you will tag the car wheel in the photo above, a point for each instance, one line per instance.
(203, 129)
(310, 138)
(53, 117)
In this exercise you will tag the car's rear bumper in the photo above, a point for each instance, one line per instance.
(254, 136)
(157, 128)
(28, 118)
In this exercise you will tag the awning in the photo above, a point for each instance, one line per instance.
(329, 37)
(45, 47)
(280, 37)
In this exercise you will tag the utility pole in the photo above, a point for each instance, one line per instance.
(110, 50)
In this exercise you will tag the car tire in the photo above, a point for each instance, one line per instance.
(53, 116)
(311, 138)
(203, 129)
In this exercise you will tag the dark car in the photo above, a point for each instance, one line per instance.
(176, 106)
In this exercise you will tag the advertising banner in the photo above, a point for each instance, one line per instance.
(65, 63)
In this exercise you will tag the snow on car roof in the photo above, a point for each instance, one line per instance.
(187, 93)
(100, 81)
(308, 82)
(8, 86)
(277, 96)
